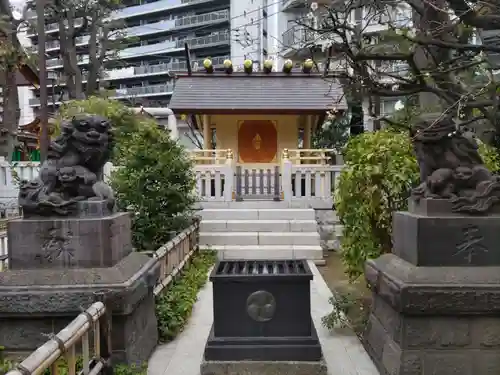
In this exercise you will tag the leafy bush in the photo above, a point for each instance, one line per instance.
(490, 156)
(380, 170)
(333, 134)
(155, 180)
(348, 310)
(174, 307)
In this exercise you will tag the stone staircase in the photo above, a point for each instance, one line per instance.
(261, 230)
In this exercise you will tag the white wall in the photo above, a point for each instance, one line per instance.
(25, 93)
(27, 113)
(246, 32)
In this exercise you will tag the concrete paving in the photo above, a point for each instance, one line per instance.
(343, 352)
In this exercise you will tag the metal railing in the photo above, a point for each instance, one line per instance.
(297, 37)
(202, 18)
(204, 41)
(222, 15)
(145, 90)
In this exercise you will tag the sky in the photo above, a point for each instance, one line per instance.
(17, 7)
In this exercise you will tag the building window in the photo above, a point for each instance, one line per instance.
(389, 106)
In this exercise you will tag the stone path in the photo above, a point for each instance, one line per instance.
(343, 352)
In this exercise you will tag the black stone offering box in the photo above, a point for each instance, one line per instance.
(262, 312)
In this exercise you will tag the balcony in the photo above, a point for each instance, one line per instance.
(151, 90)
(388, 71)
(491, 37)
(123, 93)
(51, 28)
(176, 45)
(375, 21)
(158, 27)
(292, 4)
(155, 7)
(35, 102)
(146, 70)
(301, 4)
(206, 41)
(297, 38)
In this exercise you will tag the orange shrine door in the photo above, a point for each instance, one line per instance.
(257, 141)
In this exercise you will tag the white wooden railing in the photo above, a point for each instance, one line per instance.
(214, 182)
(95, 322)
(306, 182)
(305, 175)
(11, 173)
(3, 250)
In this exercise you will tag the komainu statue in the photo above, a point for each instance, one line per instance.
(73, 170)
(451, 168)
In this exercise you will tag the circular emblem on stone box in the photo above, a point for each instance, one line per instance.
(261, 306)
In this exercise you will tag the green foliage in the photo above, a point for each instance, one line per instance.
(173, 307)
(155, 181)
(380, 170)
(62, 364)
(348, 311)
(491, 158)
(334, 133)
(5, 364)
(125, 122)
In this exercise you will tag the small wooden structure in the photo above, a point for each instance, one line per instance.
(257, 120)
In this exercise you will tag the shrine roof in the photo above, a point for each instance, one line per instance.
(239, 92)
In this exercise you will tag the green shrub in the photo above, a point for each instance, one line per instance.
(490, 156)
(174, 306)
(155, 180)
(380, 170)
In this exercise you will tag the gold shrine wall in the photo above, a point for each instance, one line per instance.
(256, 139)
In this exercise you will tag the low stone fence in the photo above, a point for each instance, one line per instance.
(93, 326)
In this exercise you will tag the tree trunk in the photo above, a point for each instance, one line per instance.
(94, 63)
(68, 49)
(11, 113)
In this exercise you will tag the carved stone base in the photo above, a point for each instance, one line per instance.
(262, 368)
(75, 242)
(433, 320)
(430, 235)
(35, 303)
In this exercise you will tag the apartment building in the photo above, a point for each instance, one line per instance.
(300, 42)
(159, 29)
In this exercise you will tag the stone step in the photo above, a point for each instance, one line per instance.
(258, 226)
(259, 238)
(269, 252)
(253, 204)
(257, 214)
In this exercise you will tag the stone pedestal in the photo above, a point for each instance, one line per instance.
(58, 264)
(35, 303)
(436, 300)
(95, 238)
(262, 320)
